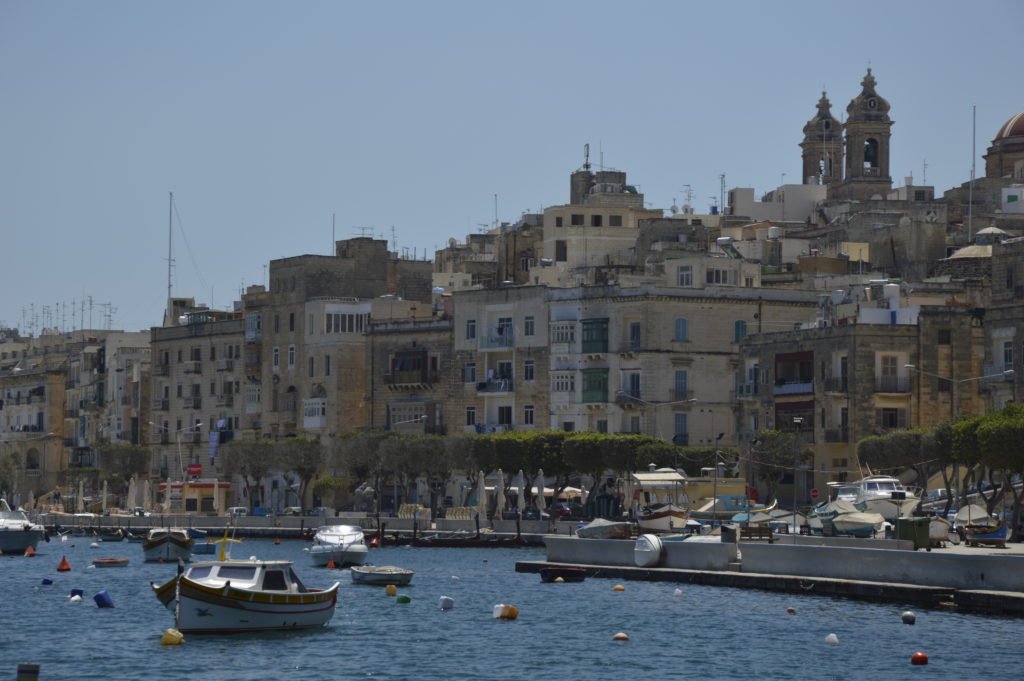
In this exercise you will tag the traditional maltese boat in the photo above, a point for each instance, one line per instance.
(238, 596)
(167, 544)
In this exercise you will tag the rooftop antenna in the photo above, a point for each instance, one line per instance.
(600, 150)
(688, 194)
(721, 191)
(970, 191)
(394, 239)
(924, 171)
(333, 242)
(586, 156)
(264, 276)
(170, 256)
(496, 224)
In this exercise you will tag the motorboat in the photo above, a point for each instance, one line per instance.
(660, 500)
(841, 516)
(167, 544)
(17, 532)
(566, 574)
(858, 523)
(338, 544)
(882, 494)
(239, 596)
(380, 575)
(600, 528)
(110, 562)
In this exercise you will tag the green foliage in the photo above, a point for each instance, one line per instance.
(124, 460)
(10, 463)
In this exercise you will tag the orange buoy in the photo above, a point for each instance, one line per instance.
(791, 611)
(64, 565)
(277, 541)
(621, 636)
(390, 589)
(618, 587)
(331, 564)
(160, 559)
(918, 658)
(30, 551)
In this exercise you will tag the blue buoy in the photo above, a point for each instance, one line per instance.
(76, 592)
(103, 600)
(47, 580)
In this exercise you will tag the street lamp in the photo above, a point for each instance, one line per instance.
(955, 406)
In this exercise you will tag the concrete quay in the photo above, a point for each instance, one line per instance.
(985, 580)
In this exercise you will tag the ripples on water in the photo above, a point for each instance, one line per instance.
(563, 632)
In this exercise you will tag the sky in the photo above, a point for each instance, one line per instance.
(278, 124)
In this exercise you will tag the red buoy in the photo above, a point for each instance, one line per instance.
(64, 565)
(919, 658)
(277, 541)
(30, 551)
(331, 564)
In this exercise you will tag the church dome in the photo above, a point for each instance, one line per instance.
(1012, 128)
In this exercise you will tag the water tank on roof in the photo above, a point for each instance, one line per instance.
(773, 233)
(838, 296)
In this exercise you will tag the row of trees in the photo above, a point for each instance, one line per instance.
(987, 449)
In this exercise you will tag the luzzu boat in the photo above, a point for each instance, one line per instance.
(167, 544)
(239, 596)
(726, 506)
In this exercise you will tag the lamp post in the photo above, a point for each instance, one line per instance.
(955, 406)
(798, 422)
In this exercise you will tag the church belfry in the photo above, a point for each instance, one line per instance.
(822, 146)
(867, 146)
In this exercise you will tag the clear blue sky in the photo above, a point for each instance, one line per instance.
(264, 118)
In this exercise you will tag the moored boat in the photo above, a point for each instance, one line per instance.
(338, 544)
(882, 494)
(168, 544)
(237, 596)
(662, 518)
(979, 527)
(380, 575)
(110, 562)
(599, 528)
(17, 532)
(660, 500)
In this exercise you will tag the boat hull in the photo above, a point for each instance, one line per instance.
(664, 518)
(167, 549)
(986, 535)
(380, 576)
(323, 554)
(227, 610)
(110, 562)
(18, 541)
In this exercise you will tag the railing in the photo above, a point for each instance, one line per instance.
(793, 388)
(682, 395)
(836, 384)
(892, 384)
(837, 435)
(193, 367)
(630, 346)
(872, 172)
(225, 400)
(748, 389)
(412, 377)
(998, 372)
(493, 341)
(495, 385)
(225, 364)
(627, 397)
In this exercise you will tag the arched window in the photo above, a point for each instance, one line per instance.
(871, 153)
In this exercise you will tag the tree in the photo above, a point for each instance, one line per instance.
(252, 461)
(302, 458)
(10, 463)
(773, 457)
(999, 436)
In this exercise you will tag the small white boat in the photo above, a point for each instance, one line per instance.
(662, 518)
(858, 524)
(169, 544)
(340, 544)
(380, 575)
(238, 596)
(17, 532)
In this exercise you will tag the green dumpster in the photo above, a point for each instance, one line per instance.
(915, 530)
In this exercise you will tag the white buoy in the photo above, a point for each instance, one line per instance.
(832, 640)
(677, 593)
(94, 545)
(454, 577)
(75, 599)
(446, 602)
(908, 617)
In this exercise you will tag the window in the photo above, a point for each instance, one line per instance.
(563, 383)
(615, 221)
(558, 221)
(602, 425)
(524, 264)
(685, 275)
(528, 415)
(470, 329)
(561, 252)
(634, 424)
(311, 325)
(890, 417)
(277, 323)
(595, 335)
(739, 330)
(945, 337)
(327, 365)
(291, 356)
(889, 365)
(179, 356)
(568, 426)
(681, 330)
(528, 369)
(595, 220)
(632, 384)
(276, 358)
(213, 388)
(528, 326)
(469, 373)
(634, 335)
(920, 195)
(470, 416)
(213, 352)
(719, 276)
(943, 385)
(312, 367)
(1007, 355)
(576, 219)
(291, 321)
(505, 416)
(680, 425)
(681, 381)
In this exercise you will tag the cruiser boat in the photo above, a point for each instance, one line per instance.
(167, 544)
(880, 494)
(238, 596)
(17, 532)
(340, 544)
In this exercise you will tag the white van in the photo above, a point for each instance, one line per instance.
(236, 511)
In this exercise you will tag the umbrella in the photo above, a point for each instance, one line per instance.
(499, 495)
(521, 497)
(539, 498)
(103, 501)
(481, 495)
(81, 496)
(216, 496)
(147, 495)
(133, 488)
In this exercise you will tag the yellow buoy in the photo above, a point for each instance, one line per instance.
(559, 580)
(621, 636)
(172, 637)
(391, 589)
(505, 612)
(618, 587)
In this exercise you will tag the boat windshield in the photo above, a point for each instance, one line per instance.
(200, 572)
(241, 573)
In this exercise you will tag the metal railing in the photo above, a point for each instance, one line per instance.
(836, 384)
(892, 384)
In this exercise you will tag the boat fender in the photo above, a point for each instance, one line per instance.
(76, 592)
(918, 659)
(94, 545)
(64, 565)
(446, 602)
(390, 590)
(791, 611)
(172, 637)
(618, 587)
(621, 636)
(908, 617)
(403, 599)
(505, 612)
(331, 564)
(832, 640)
(677, 593)
(103, 600)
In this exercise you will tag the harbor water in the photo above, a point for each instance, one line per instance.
(564, 631)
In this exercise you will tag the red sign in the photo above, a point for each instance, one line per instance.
(814, 492)
(195, 469)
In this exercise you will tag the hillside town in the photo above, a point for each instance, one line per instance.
(846, 306)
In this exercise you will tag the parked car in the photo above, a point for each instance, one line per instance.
(236, 511)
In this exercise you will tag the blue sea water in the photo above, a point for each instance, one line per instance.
(564, 631)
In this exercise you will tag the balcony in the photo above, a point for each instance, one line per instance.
(629, 397)
(837, 434)
(225, 400)
(872, 172)
(597, 395)
(225, 365)
(161, 405)
(192, 367)
(892, 384)
(495, 385)
(748, 389)
(498, 341)
(998, 372)
(793, 388)
(836, 384)
(191, 403)
(314, 413)
(412, 378)
(161, 369)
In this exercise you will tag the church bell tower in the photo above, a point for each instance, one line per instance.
(822, 146)
(867, 146)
